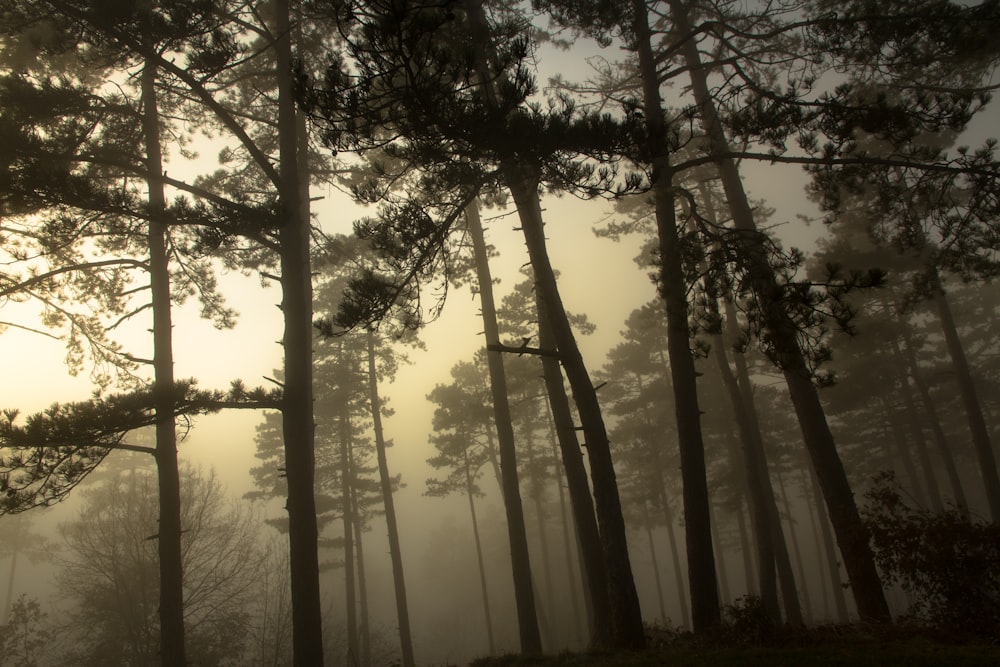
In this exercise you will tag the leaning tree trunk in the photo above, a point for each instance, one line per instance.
(782, 561)
(298, 431)
(399, 582)
(522, 179)
(829, 550)
(527, 616)
(626, 621)
(591, 551)
(851, 533)
(574, 578)
(169, 534)
(940, 440)
(766, 580)
(703, 583)
(970, 400)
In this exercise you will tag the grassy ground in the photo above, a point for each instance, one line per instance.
(831, 647)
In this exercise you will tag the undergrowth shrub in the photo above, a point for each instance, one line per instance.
(949, 564)
(746, 621)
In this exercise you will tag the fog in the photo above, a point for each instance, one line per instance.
(891, 388)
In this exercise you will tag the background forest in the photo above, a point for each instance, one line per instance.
(406, 332)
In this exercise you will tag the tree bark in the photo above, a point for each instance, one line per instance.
(626, 623)
(298, 428)
(364, 625)
(527, 615)
(720, 562)
(574, 578)
(970, 400)
(782, 560)
(647, 526)
(385, 479)
(917, 433)
(767, 581)
(850, 531)
(705, 611)
(469, 486)
(675, 557)
(939, 438)
(591, 550)
(172, 649)
(829, 550)
(346, 474)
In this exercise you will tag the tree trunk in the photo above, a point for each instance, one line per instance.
(626, 622)
(850, 531)
(172, 650)
(351, 604)
(298, 429)
(541, 518)
(940, 440)
(697, 522)
(675, 557)
(573, 577)
(793, 538)
(746, 551)
(917, 434)
(647, 526)
(720, 558)
(469, 486)
(782, 560)
(591, 550)
(527, 615)
(903, 453)
(830, 550)
(767, 581)
(395, 553)
(364, 626)
(970, 400)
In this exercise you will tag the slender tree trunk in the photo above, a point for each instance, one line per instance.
(346, 474)
(626, 626)
(903, 454)
(746, 551)
(591, 551)
(697, 522)
(395, 553)
(14, 547)
(364, 626)
(297, 400)
(851, 533)
(970, 400)
(527, 614)
(469, 489)
(767, 581)
(917, 434)
(647, 525)
(169, 543)
(939, 438)
(817, 541)
(675, 556)
(782, 560)
(522, 179)
(574, 578)
(829, 549)
(720, 559)
(793, 538)
(541, 518)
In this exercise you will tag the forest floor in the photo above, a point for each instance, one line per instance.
(831, 646)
